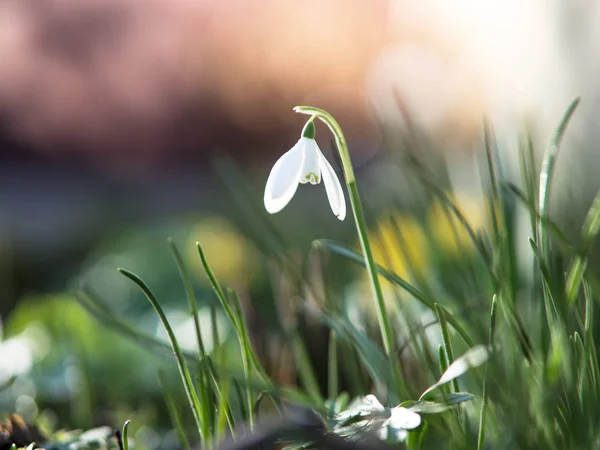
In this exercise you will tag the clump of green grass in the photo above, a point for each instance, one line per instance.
(515, 364)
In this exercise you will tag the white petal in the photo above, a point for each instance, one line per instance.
(311, 169)
(473, 357)
(398, 434)
(361, 406)
(283, 179)
(370, 403)
(404, 418)
(335, 194)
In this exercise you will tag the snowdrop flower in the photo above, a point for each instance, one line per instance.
(304, 163)
(396, 427)
(367, 414)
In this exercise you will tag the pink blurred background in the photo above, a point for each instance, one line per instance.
(111, 110)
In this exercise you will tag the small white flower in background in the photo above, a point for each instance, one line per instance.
(367, 414)
(400, 421)
(304, 163)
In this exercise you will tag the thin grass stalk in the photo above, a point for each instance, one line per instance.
(223, 417)
(173, 415)
(246, 359)
(591, 228)
(548, 165)
(551, 226)
(305, 369)
(443, 362)
(239, 328)
(125, 435)
(340, 250)
(484, 394)
(203, 377)
(332, 367)
(495, 201)
(441, 314)
(245, 334)
(189, 293)
(199, 416)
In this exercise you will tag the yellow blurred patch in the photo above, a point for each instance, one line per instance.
(230, 255)
(449, 232)
(399, 245)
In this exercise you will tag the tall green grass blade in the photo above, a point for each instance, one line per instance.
(173, 415)
(189, 293)
(591, 228)
(551, 309)
(125, 434)
(217, 288)
(546, 174)
(199, 415)
(223, 416)
(351, 367)
(441, 314)
(579, 358)
(375, 362)
(274, 397)
(529, 178)
(235, 316)
(551, 226)
(245, 354)
(245, 338)
(495, 200)
(484, 394)
(591, 225)
(203, 375)
(443, 361)
(214, 331)
(345, 252)
(591, 353)
(305, 368)
(241, 399)
(457, 213)
(332, 367)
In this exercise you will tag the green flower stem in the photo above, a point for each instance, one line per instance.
(359, 219)
(125, 435)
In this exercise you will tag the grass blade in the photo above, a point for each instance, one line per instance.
(332, 367)
(484, 394)
(340, 250)
(546, 174)
(591, 228)
(201, 422)
(173, 415)
(125, 434)
(441, 314)
(189, 293)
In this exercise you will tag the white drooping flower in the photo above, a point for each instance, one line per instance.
(304, 163)
(367, 414)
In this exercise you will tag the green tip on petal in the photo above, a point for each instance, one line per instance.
(309, 130)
